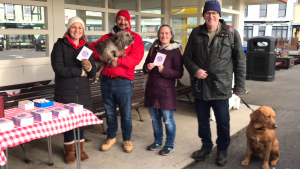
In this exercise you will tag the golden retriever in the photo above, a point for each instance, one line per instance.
(261, 138)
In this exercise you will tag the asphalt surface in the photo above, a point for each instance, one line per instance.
(283, 95)
(19, 54)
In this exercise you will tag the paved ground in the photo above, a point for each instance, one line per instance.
(19, 54)
(283, 96)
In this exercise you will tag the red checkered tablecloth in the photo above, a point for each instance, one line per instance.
(20, 135)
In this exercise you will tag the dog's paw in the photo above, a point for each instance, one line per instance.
(274, 162)
(245, 162)
(265, 167)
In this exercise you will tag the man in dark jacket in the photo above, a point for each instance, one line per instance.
(213, 53)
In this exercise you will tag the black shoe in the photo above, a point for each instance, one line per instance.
(166, 151)
(200, 154)
(221, 158)
(153, 146)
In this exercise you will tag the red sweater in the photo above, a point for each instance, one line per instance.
(134, 55)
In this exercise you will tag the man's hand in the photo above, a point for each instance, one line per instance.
(201, 74)
(114, 63)
(160, 68)
(238, 95)
(86, 65)
(102, 58)
(150, 66)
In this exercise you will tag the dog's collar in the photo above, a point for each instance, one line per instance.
(261, 128)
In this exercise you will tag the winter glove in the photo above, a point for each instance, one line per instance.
(86, 64)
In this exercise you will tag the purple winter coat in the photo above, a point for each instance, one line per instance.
(160, 89)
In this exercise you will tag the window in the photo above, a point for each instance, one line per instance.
(150, 24)
(246, 11)
(151, 6)
(9, 9)
(282, 10)
(93, 3)
(279, 31)
(13, 16)
(261, 31)
(263, 11)
(26, 10)
(248, 32)
(92, 19)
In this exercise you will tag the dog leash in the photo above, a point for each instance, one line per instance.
(246, 104)
(246, 92)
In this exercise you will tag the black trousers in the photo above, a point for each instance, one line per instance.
(221, 111)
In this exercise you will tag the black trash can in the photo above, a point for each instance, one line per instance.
(261, 58)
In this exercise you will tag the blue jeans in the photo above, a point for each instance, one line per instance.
(69, 135)
(221, 111)
(167, 115)
(117, 92)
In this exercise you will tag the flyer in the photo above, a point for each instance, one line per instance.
(159, 59)
(85, 53)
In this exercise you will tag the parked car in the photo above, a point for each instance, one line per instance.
(40, 43)
(92, 38)
(1, 43)
(148, 43)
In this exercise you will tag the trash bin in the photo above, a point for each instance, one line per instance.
(261, 58)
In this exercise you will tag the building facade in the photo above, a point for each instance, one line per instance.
(269, 20)
(22, 22)
(296, 21)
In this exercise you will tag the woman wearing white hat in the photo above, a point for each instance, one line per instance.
(72, 78)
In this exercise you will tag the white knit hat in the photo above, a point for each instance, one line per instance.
(73, 20)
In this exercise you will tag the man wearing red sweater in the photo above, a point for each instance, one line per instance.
(117, 83)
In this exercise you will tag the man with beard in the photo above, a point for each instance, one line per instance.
(117, 83)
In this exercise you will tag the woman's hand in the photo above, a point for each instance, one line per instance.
(86, 65)
(160, 68)
(150, 66)
(83, 73)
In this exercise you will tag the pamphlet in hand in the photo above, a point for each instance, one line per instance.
(159, 59)
(85, 53)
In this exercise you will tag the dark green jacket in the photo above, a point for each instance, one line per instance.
(220, 62)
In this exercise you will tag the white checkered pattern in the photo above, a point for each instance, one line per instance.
(20, 135)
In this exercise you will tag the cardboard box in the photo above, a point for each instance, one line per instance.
(26, 105)
(23, 119)
(43, 105)
(42, 114)
(60, 112)
(74, 108)
(6, 125)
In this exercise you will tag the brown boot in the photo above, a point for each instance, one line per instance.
(70, 152)
(109, 143)
(127, 146)
(83, 155)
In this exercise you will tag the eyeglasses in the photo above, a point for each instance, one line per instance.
(211, 13)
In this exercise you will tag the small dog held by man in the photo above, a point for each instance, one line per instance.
(113, 47)
(261, 138)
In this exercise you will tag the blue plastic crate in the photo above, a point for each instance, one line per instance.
(43, 105)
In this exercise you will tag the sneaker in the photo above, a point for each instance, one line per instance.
(153, 146)
(221, 158)
(200, 154)
(166, 151)
(127, 146)
(109, 143)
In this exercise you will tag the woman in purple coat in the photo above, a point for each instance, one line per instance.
(160, 94)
